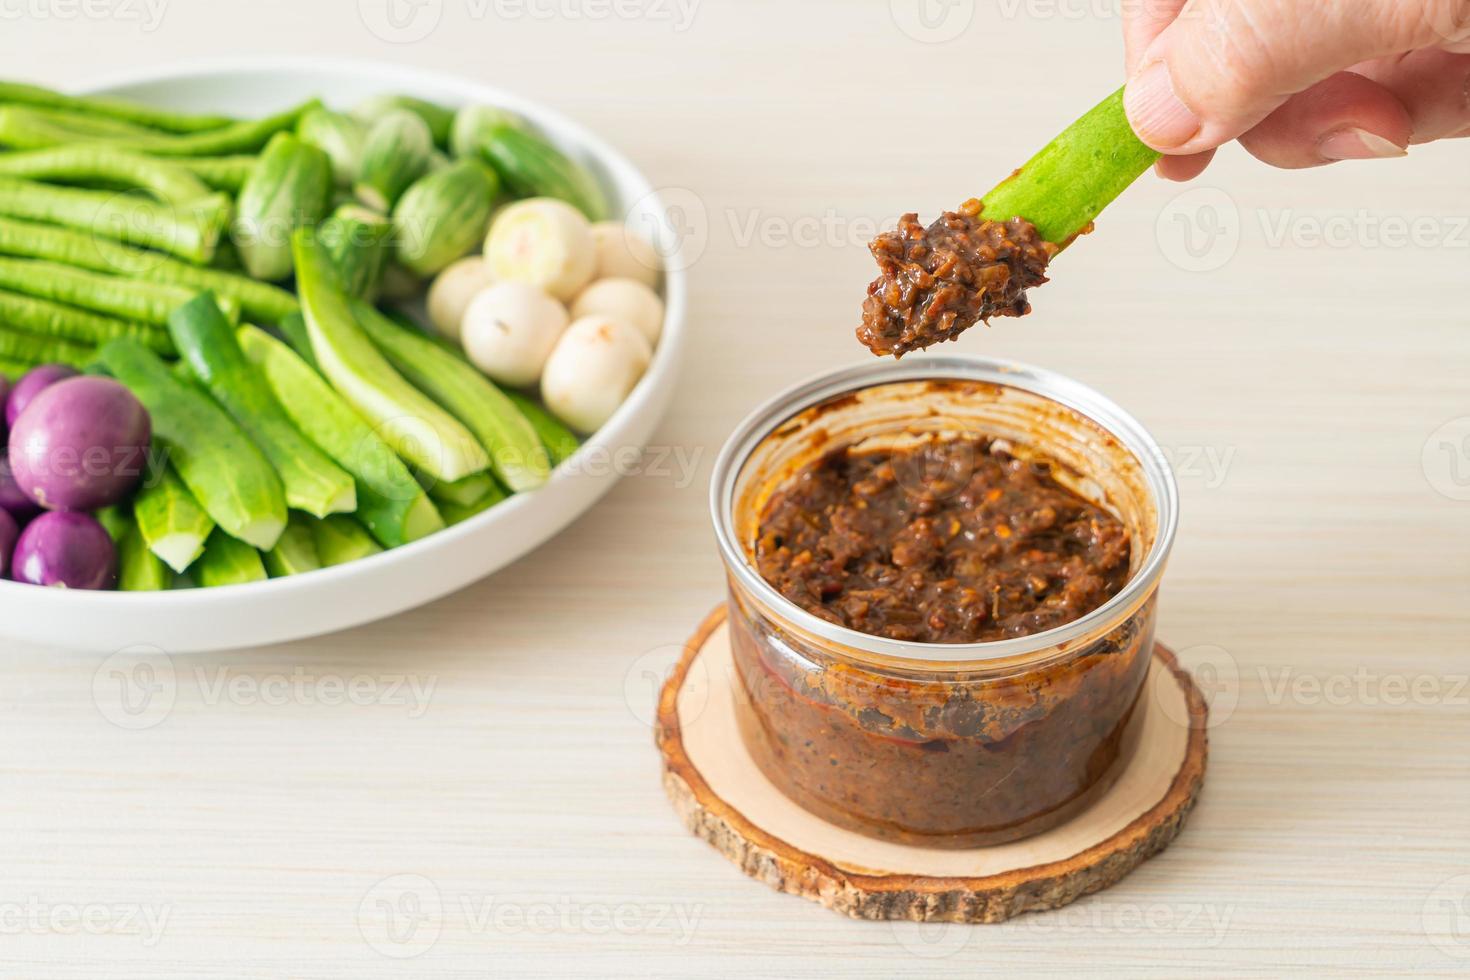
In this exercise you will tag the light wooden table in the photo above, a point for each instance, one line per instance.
(485, 793)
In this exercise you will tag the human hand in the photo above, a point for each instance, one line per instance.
(1300, 83)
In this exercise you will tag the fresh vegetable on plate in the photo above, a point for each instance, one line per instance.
(545, 243)
(340, 136)
(622, 299)
(172, 523)
(359, 242)
(443, 216)
(24, 391)
(625, 254)
(167, 182)
(228, 561)
(138, 568)
(66, 550)
(452, 291)
(340, 540)
(509, 331)
(395, 155)
(296, 552)
(288, 189)
(592, 369)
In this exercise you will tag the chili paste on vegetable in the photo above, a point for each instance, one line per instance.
(946, 541)
(937, 282)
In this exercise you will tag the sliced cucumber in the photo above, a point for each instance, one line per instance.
(139, 569)
(296, 552)
(340, 540)
(172, 522)
(227, 561)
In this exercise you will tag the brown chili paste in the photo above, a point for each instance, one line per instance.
(947, 541)
(937, 282)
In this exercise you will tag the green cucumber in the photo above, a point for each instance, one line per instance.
(458, 513)
(517, 457)
(227, 561)
(442, 217)
(395, 155)
(222, 468)
(221, 173)
(531, 167)
(389, 502)
(191, 231)
(28, 239)
(293, 331)
(288, 189)
(167, 182)
(296, 552)
(471, 127)
(42, 316)
(115, 520)
(418, 430)
(129, 112)
(439, 119)
(358, 241)
(207, 343)
(340, 136)
(172, 522)
(138, 569)
(129, 299)
(340, 540)
(1064, 187)
(461, 493)
(560, 442)
(29, 348)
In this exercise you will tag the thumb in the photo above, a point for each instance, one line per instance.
(1223, 65)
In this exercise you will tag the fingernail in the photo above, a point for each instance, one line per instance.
(1155, 112)
(1352, 143)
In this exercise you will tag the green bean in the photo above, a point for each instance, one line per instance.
(241, 137)
(222, 173)
(41, 316)
(129, 299)
(30, 129)
(13, 369)
(28, 239)
(174, 122)
(166, 181)
(191, 232)
(19, 346)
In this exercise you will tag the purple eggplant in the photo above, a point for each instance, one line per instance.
(31, 384)
(80, 444)
(65, 550)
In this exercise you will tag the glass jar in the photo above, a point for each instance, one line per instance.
(943, 745)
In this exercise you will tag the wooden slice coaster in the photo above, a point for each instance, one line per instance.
(723, 798)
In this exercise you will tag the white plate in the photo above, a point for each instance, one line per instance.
(362, 591)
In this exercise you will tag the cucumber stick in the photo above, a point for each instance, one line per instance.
(227, 561)
(129, 299)
(461, 492)
(172, 522)
(138, 568)
(288, 189)
(20, 93)
(443, 216)
(419, 431)
(28, 239)
(516, 455)
(296, 552)
(389, 502)
(168, 182)
(560, 442)
(532, 167)
(340, 540)
(219, 464)
(395, 155)
(207, 342)
(1064, 187)
(458, 513)
(293, 331)
(190, 231)
(42, 316)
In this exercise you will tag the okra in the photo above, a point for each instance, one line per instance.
(190, 231)
(27, 239)
(341, 539)
(419, 430)
(288, 189)
(517, 457)
(172, 522)
(42, 316)
(296, 552)
(227, 561)
(389, 502)
(166, 181)
(221, 466)
(1065, 186)
(207, 342)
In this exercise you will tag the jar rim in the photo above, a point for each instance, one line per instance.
(1055, 387)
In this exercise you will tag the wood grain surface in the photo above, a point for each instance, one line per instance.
(471, 789)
